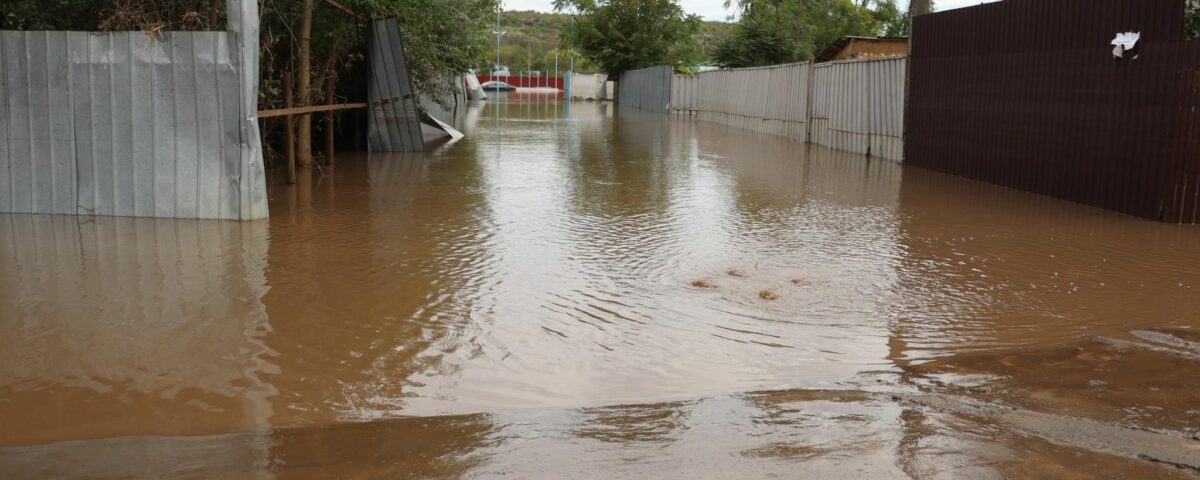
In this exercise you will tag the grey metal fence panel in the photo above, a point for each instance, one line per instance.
(767, 99)
(858, 106)
(645, 89)
(394, 125)
(855, 106)
(5, 122)
(126, 124)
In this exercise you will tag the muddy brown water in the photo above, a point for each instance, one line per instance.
(573, 293)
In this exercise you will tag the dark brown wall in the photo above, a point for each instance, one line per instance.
(1026, 94)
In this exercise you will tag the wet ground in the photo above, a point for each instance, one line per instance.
(574, 293)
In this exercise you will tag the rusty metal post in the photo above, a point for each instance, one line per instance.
(329, 121)
(289, 137)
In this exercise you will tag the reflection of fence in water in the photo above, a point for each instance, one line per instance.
(127, 310)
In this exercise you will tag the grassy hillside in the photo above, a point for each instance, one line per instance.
(530, 39)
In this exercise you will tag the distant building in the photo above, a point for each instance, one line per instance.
(850, 48)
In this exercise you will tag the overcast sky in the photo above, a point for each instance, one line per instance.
(711, 9)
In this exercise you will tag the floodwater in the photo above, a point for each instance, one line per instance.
(570, 292)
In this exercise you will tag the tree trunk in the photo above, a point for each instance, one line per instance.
(919, 7)
(303, 80)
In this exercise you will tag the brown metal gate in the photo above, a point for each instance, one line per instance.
(1028, 94)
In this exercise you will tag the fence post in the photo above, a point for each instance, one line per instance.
(289, 137)
(329, 121)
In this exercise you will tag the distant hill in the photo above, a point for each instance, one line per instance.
(531, 37)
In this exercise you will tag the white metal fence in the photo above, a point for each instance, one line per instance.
(856, 106)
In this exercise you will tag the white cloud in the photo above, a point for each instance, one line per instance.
(943, 5)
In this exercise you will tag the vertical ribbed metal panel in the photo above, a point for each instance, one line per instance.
(394, 125)
(855, 106)
(1027, 94)
(858, 106)
(124, 124)
(765, 99)
(645, 89)
(683, 93)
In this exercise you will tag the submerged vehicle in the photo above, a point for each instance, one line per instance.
(498, 86)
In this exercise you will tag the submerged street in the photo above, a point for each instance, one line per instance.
(573, 292)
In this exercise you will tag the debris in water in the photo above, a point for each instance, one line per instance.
(703, 284)
(801, 282)
(767, 295)
(733, 272)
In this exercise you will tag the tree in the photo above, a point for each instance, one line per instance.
(304, 82)
(783, 31)
(1191, 19)
(620, 35)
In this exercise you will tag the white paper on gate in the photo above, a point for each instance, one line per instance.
(1127, 40)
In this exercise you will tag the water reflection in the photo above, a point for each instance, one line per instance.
(552, 297)
(118, 326)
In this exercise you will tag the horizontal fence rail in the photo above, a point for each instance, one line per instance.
(127, 124)
(856, 106)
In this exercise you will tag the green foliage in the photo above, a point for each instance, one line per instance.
(442, 37)
(783, 31)
(620, 35)
(1191, 19)
(529, 42)
(536, 35)
(89, 15)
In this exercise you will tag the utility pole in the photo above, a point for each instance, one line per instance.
(917, 7)
(496, 69)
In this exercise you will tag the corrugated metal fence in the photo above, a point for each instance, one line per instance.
(127, 124)
(645, 89)
(1028, 94)
(855, 105)
(394, 125)
(767, 99)
(858, 106)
